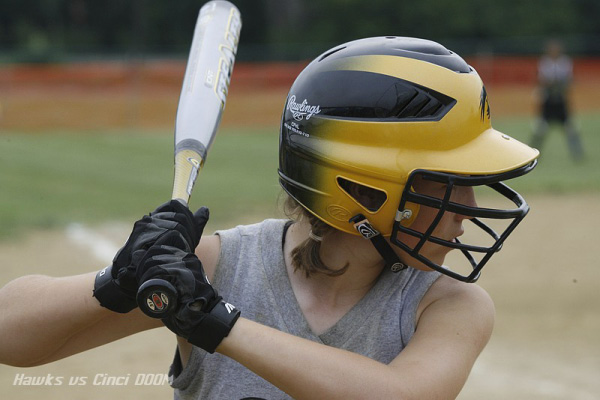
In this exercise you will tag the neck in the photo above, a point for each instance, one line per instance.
(338, 249)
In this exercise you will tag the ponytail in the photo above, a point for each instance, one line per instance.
(306, 257)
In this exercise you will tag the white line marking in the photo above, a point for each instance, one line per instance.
(102, 248)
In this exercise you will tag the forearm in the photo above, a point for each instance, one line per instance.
(309, 370)
(44, 319)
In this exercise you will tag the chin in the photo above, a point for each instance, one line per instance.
(433, 252)
(437, 254)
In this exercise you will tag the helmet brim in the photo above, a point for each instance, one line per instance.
(492, 152)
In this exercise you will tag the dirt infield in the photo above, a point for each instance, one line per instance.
(545, 344)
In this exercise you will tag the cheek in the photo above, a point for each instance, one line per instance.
(424, 219)
(423, 222)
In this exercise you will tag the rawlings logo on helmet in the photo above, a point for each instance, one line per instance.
(299, 111)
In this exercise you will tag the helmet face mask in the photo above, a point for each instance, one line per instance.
(376, 114)
(474, 214)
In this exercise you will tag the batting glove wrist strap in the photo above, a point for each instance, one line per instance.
(110, 294)
(214, 327)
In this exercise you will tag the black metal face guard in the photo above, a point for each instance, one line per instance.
(443, 205)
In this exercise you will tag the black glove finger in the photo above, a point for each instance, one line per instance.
(177, 211)
(171, 258)
(166, 257)
(123, 256)
(144, 234)
(165, 223)
(128, 283)
(174, 206)
(136, 258)
(183, 279)
(157, 256)
(177, 218)
(152, 231)
(184, 224)
(173, 239)
(191, 226)
(160, 248)
(201, 218)
(195, 266)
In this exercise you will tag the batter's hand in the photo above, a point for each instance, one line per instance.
(116, 285)
(201, 316)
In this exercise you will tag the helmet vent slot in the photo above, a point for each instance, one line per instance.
(414, 102)
(377, 97)
(370, 198)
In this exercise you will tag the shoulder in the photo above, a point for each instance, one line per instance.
(265, 227)
(452, 291)
(463, 302)
(229, 241)
(446, 287)
(455, 322)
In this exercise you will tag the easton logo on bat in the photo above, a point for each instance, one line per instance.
(193, 174)
(232, 36)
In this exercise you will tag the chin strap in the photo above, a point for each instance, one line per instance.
(364, 227)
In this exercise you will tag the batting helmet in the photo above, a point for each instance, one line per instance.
(377, 113)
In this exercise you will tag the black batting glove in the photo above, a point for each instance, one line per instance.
(201, 316)
(116, 286)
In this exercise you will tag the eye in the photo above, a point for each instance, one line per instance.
(442, 187)
(433, 189)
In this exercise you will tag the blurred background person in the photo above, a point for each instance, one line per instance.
(555, 75)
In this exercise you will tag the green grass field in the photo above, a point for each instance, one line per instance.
(48, 180)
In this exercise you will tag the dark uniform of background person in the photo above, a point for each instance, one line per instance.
(555, 73)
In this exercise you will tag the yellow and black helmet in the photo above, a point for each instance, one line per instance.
(377, 112)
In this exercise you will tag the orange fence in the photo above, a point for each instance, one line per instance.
(142, 95)
(153, 75)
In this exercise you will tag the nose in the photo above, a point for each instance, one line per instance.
(468, 196)
(465, 195)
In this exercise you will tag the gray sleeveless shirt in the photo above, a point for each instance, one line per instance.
(251, 275)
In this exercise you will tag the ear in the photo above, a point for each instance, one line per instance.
(359, 193)
(371, 199)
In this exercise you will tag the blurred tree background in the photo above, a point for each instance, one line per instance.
(66, 30)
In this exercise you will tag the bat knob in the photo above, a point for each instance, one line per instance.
(157, 298)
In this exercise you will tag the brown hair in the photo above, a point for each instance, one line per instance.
(306, 257)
